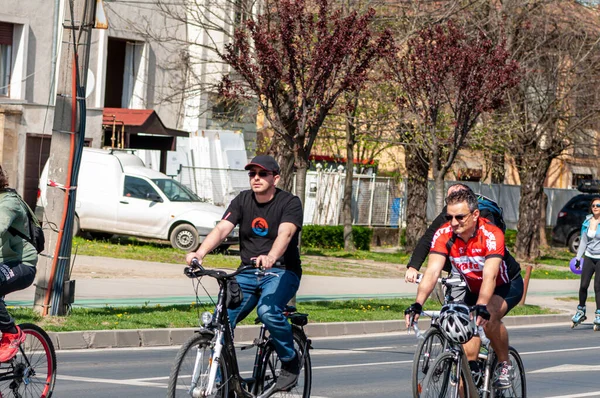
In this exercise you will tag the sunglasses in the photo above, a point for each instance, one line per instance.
(459, 217)
(596, 205)
(260, 173)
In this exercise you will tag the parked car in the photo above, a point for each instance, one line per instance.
(117, 194)
(568, 223)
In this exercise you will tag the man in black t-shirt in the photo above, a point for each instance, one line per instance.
(270, 221)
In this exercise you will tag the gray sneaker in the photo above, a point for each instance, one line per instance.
(504, 376)
(288, 376)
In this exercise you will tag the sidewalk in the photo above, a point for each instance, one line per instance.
(107, 281)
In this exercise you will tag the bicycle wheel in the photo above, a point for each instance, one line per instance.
(271, 366)
(442, 381)
(32, 372)
(428, 349)
(518, 388)
(191, 370)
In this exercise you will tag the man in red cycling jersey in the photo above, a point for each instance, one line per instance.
(475, 248)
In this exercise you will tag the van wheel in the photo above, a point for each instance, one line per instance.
(185, 237)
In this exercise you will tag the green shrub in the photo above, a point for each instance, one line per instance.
(332, 236)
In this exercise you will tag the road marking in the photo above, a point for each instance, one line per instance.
(562, 350)
(342, 351)
(585, 394)
(568, 368)
(129, 382)
(356, 365)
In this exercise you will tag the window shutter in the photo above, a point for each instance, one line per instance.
(6, 33)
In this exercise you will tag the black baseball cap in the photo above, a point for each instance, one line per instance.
(265, 162)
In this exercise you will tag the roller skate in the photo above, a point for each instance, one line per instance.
(579, 316)
(597, 321)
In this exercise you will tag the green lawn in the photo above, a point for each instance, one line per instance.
(180, 316)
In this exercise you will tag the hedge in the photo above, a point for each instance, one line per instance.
(332, 236)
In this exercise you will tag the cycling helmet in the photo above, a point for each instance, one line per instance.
(456, 323)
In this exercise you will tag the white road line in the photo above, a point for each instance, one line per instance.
(356, 365)
(568, 368)
(130, 382)
(585, 394)
(561, 350)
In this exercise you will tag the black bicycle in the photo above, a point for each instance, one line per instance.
(206, 364)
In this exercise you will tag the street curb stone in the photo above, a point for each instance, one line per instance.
(176, 337)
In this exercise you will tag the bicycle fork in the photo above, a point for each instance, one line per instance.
(195, 390)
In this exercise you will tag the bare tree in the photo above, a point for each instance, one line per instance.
(298, 58)
(554, 110)
(448, 80)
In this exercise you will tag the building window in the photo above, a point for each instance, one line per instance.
(6, 40)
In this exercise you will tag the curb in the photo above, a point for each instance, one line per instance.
(175, 337)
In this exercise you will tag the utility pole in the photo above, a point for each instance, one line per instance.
(54, 291)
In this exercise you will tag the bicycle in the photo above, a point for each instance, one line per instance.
(206, 364)
(433, 342)
(32, 372)
(451, 376)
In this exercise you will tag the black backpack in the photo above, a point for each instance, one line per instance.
(37, 238)
(488, 204)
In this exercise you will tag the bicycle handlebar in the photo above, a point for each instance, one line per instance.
(196, 270)
(451, 281)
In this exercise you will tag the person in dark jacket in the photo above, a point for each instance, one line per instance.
(424, 244)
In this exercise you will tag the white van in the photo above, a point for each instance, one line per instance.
(117, 194)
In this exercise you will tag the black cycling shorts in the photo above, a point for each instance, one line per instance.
(511, 292)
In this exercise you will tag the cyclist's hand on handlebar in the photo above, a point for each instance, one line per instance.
(411, 275)
(190, 256)
(483, 315)
(265, 261)
(411, 314)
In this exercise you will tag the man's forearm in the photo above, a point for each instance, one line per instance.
(280, 245)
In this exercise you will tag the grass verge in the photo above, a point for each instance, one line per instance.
(180, 316)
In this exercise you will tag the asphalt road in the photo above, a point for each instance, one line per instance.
(560, 363)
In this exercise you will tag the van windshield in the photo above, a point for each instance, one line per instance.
(175, 191)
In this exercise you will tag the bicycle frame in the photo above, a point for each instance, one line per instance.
(224, 350)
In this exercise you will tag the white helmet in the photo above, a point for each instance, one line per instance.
(456, 323)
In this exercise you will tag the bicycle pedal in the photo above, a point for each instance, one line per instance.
(246, 347)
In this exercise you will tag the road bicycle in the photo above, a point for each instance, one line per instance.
(450, 375)
(206, 364)
(432, 342)
(32, 372)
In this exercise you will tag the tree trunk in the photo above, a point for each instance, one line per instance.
(301, 169)
(532, 173)
(543, 238)
(347, 203)
(440, 193)
(285, 158)
(417, 168)
(497, 166)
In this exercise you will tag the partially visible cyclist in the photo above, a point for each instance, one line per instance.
(18, 258)
(475, 248)
(270, 221)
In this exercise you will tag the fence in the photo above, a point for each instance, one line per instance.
(376, 201)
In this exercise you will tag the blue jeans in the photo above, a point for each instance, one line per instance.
(271, 293)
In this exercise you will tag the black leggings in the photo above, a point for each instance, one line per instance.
(13, 277)
(590, 266)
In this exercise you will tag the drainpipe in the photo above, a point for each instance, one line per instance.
(57, 18)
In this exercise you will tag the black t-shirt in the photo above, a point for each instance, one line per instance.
(259, 224)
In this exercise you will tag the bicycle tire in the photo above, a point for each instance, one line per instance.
(440, 383)
(427, 351)
(271, 366)
(519, 384)
(32, 372)
(180, 380)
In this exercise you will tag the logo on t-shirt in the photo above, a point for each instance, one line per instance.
(260, 226)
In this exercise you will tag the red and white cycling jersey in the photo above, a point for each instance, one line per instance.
(468, 258)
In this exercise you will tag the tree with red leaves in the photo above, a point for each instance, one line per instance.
(448, 80)
(297, 58)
